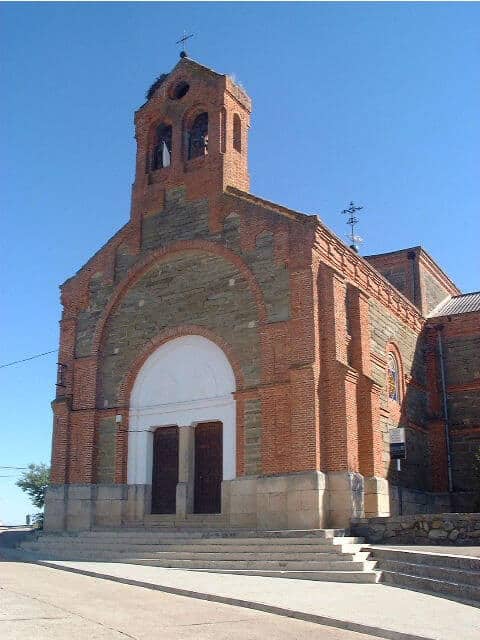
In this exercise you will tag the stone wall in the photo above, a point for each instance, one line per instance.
(190, 288)
(411, 413)
(433, 291)
(462, 372)
(441, 528)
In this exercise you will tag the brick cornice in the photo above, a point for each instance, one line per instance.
(333, 252)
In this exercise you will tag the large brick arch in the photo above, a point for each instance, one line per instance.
(174, 288)
(171, 334)
(162, 254)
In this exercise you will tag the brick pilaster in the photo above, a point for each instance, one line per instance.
(368, 391)
(338, 381)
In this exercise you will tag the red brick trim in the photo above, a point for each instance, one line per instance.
(416, 427)
(138, 270)
(473, 385)
(392, 348)
(465, 432)
(380, 361)
(363, 275)
(166, 336)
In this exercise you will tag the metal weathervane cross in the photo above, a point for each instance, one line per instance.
(182, 41)
(352, 221)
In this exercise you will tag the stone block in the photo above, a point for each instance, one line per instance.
(310, 519)
(310, 480)
(111, 492)
(374, 484)
(243, 504)
(54, 521)
(134, 508)
(108, 512)
(80, 491)
(376, 504)
(272, 484)
(303, 501)
(272, 519)
(245, 520)
(78, 522)
(55, 492)
(277, 501)
(243, 486)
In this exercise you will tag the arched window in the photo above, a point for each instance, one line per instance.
(162, 149)
(237, 133)
(198, 137)
(393, 379)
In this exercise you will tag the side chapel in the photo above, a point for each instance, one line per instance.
(226, 360)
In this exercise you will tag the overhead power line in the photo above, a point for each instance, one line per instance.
(2, 467)
(38, 355)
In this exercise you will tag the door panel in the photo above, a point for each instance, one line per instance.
(165, 470)
(208, 467)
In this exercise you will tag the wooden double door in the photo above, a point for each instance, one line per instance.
(208, 468)
(165, 470)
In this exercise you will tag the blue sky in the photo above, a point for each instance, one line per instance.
(377, 103)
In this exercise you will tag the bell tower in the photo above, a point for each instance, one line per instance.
(192, 131)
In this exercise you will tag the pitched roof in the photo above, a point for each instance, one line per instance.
(464, 303)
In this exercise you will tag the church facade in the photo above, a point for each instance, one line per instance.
(224, 360)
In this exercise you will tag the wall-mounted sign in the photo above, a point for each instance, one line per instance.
(398, 449)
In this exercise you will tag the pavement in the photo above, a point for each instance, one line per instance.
(47, 604)
(373, 609)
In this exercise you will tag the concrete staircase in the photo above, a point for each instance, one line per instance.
(448, 575)
(319, 554)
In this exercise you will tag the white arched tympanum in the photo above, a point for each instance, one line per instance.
(185, 381)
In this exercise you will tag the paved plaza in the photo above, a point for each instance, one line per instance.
(46, 604)
(133, 599)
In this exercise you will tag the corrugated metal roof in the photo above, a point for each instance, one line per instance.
(458, 304)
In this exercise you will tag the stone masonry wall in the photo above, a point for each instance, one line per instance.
(441, 528)
(190, 288)
(462, 372)
(433, 292)
(411, 413)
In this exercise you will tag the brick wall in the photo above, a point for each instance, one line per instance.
(306, 323)
(461, 350)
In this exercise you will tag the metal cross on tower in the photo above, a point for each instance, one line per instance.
(182, 41)
(352, 220)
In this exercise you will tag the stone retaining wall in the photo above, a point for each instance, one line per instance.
(438, 528)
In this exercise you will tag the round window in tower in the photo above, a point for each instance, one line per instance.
(177, 91)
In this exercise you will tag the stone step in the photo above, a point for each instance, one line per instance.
(368, 577)
(193, 548)
(452, 561)
(205, 521)
(458, 576)
(170, 556)
(467, 592)
(211, 533)
(341, 540)
(225, 564)
(257, 550)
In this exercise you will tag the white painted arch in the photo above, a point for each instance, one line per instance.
(185, 381)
